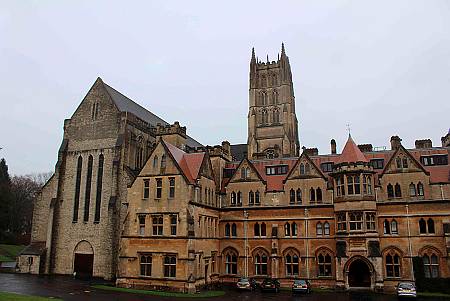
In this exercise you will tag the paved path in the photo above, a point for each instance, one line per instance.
(70, 289)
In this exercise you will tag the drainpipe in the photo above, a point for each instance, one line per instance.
(245, 244)
(409, 242)
(307, 243)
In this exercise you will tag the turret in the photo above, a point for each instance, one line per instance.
(174, 134)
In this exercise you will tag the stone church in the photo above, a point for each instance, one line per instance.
(137, 200)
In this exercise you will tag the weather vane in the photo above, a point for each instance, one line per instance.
(348, 129)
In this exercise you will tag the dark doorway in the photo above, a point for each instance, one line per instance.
(83, 265)
(359, 274)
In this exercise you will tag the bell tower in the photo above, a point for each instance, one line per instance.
(272, 123)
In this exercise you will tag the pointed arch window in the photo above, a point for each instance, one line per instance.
(256, 230)
(367, 184)
(231, 262)
(239, 198)
(233, 198)
(307, 168)
(257, 200)
(370, 221)
(393, 267)
(261, 262)
(227, 230)
(263, 229)
(233, 230)
(302, 169)
(299, 196)
(431, 266)
(319, 195)
(292, 264)
(398, 191)
(312, 195)
(251, 198)
(430, 224)
(98, 197)
(264, 117)
(420, 189)
(259, 230)
(412, 189)
(394, 227)
(76, 203)
(294, 229)
(422, 226)
(287, 230)
(163, 161)
(292, 196)
(405, 163)
(390, 191)
(87, 196)
(275, 95)
(340, 189)
(326, 228)
(155, 161)
(324, 264)
(386, 227)
(319, 229)
(276, 116)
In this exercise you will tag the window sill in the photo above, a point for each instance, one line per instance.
(325, 277)
(393, 278)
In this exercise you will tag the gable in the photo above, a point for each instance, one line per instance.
(402, 161)
(206, 169)
(96, 105)
(153, 166)
(305, 168)
(246, 172)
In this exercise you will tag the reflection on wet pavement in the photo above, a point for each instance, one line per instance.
(70, 289)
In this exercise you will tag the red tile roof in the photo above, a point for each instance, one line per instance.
(351, 153)
(189, 163)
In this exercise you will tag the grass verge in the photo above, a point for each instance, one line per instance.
(436, 295)
(205, 294)
(18, 297)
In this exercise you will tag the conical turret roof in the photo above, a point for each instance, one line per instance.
(351, 153)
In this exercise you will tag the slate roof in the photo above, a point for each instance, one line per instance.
(238, 151)
(124, 104)
(35, 248)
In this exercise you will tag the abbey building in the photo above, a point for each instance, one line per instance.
(137, 200)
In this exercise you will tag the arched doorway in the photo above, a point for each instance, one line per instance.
(359, 274)
(83, 262)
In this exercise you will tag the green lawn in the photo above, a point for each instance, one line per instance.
(10, 252)
(17, 297)
(205, 294)
(437, 295)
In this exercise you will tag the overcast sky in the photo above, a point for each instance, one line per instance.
(382, 66)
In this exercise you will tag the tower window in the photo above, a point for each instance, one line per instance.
(87, 196)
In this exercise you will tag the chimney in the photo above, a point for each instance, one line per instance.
(226, 147)
(333, 146)
(395, 142)
(365, 147)
(311, 151)
(446, 140)
(424, 143)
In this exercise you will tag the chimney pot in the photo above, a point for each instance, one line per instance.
(333, 146)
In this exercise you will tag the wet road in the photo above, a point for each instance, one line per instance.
(69, 289)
